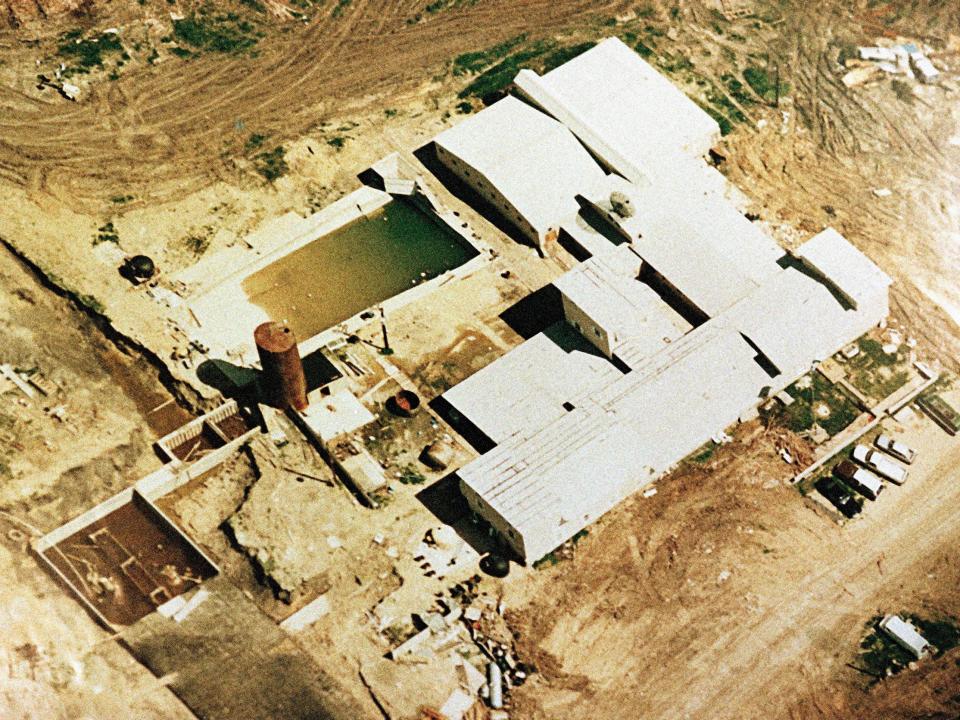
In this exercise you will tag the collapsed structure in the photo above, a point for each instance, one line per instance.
(693, 314)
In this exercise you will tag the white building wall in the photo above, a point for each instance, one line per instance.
(594, 334)
(483, 187)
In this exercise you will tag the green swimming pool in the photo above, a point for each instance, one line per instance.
(355, 267)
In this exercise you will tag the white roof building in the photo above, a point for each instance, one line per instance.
(528, 386)
(545, 485)
(853, 273)
(701, 311)
(624, 110)
(527, 162)
(615, 311)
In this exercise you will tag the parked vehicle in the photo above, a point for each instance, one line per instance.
(839, 496)
(858, 478)
(899, 450)
(880, 463)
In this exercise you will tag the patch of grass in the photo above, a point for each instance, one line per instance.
(390, 112)
(875, 373)
(337, 142)
(474, 62)
(800, 416)
(106, 233)
(85, 54)
(643, 49)
(224, 33)
(493, 82)
(763, 85)
(726, 127)
(559, 57)
(737, 90)
(704, 452)
(903, 91)
(339, 8)
(255, 141)
(465, 107)
(272, 164)
(121, 199)
(409, 475)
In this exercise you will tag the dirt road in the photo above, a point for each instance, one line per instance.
(717, 595)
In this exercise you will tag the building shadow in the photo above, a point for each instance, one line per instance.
(445, 501)
(427, 155)
(534, 313)
(232, 381)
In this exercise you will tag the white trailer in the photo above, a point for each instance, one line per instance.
(906, 636)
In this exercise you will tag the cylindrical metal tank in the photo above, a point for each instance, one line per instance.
(283, 378)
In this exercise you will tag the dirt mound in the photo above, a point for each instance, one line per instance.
(18, 12)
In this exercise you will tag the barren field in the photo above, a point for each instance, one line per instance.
(725, 595)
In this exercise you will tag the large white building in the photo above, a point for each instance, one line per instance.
(693, 319)
(527, 165)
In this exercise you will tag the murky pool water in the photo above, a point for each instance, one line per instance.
(355, 267)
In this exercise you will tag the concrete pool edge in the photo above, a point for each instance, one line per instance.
(220, 321)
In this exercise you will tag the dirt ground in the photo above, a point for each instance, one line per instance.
(725, 590)
(645, 621)
(56, 661)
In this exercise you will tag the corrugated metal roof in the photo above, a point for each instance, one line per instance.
(620, 439)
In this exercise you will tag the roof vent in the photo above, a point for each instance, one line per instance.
(621, 204)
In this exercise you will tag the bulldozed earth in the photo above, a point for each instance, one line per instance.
(726, 594)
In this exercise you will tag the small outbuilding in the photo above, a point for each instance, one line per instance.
(906, 636)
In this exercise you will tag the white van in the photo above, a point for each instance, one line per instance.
(880, 463)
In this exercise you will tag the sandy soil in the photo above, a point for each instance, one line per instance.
(725, 590)
(640, 623)
(56, 661)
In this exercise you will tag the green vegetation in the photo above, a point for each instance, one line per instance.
(254, 142)
(559, 57)
(875, 373)
(340, 7)
(464, 107)
(803, 413)
(390, 112)
(337, 142)
(704, 452)
(409, 475)
(223, 33)
(763, 85)
(493, 82)
(85, 54)
(272, 164)
(106, 233)
(121, 199)
(474, 62)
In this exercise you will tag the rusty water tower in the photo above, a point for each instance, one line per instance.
(283, 379)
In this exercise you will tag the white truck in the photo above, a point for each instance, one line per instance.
(901, 451)
(880, 464)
